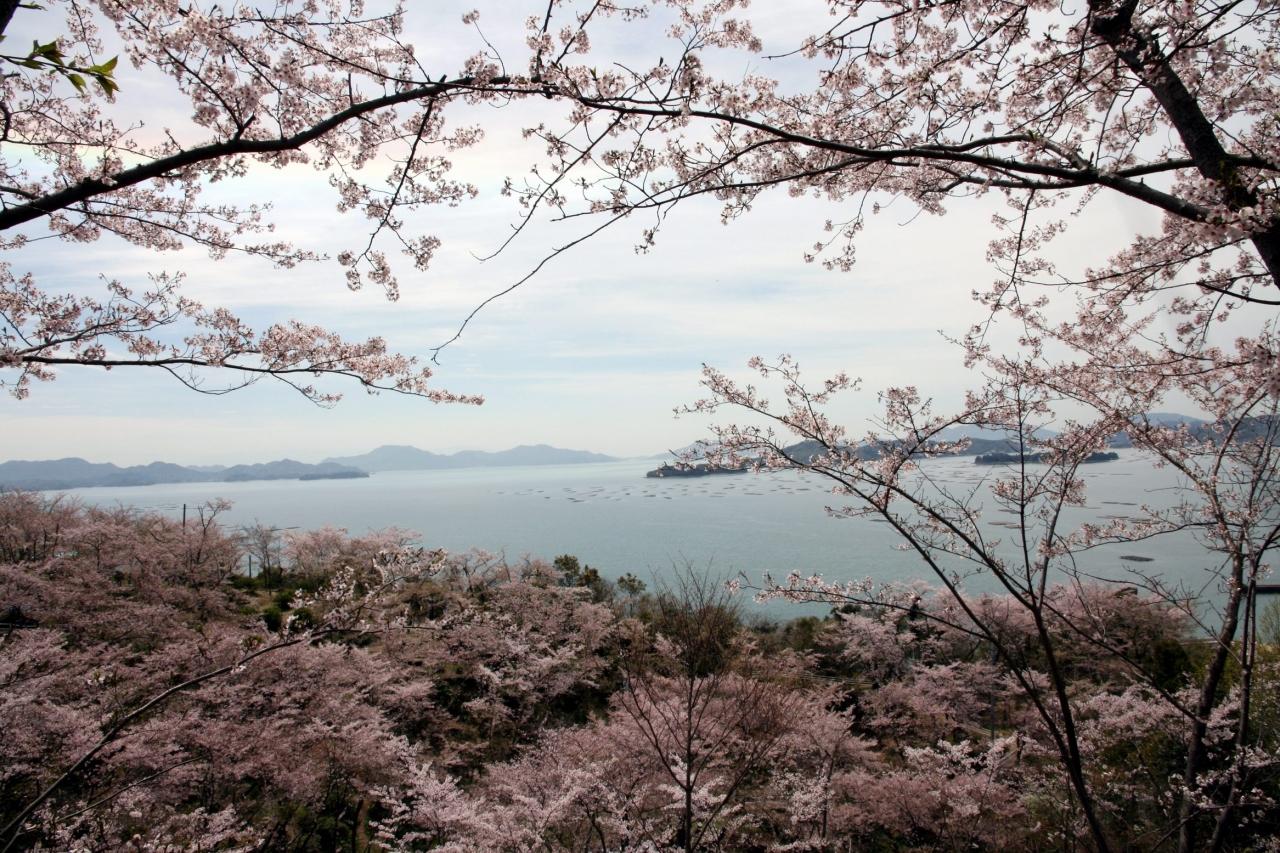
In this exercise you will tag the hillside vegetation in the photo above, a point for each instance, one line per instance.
(363, 693)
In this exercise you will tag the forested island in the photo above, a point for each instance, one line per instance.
(699, 469)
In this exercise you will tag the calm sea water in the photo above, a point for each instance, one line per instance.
(611, 517)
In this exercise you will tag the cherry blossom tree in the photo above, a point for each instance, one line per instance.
(698, 713)
(708, 744)
(1052, 624)
(1166, 106)
(294, 84)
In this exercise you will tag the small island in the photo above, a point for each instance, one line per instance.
(349, 474)
(700, 470)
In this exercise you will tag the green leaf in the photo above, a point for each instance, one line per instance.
(77, 81)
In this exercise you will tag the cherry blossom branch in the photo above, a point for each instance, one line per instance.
(160, 167)
(135, 784)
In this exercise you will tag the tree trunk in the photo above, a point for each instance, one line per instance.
(1142, 55)
(7, 8)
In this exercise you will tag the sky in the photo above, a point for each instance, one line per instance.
(594, 353)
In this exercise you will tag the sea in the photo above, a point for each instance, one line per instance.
(746, 525)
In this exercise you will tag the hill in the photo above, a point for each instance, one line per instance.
(393, 457)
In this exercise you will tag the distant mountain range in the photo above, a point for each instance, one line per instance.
(1163, 419)
(393, 457)
(74, 473)
(986, 441)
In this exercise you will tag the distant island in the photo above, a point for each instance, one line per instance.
(1035, 458)
(987, 446)
(77, 473)
(700, 470)
(399, 457)
(802, 452)
(351, 474)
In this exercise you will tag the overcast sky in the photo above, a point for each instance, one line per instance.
(594, 353)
